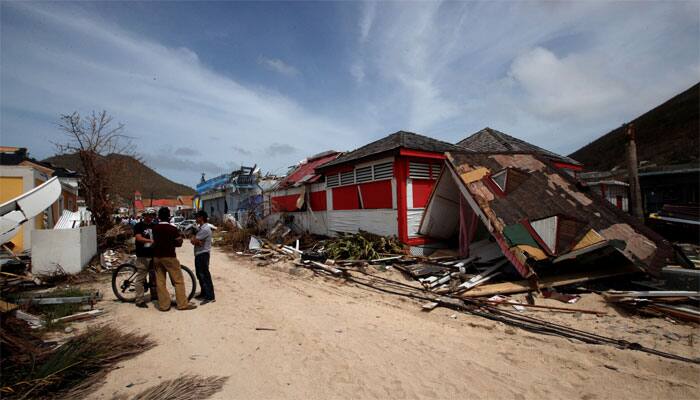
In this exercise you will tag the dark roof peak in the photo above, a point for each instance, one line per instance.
(396, 140)
(489, 140)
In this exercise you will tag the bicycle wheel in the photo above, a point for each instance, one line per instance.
(123, 282)
(190, 281)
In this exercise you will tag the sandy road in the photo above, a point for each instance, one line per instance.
(333, 340)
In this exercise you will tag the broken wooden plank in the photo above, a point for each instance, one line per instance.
(526, 286)
(327, 268)
(429, 306)
(480, 278)
(553, 308)
(33, 321)
(59, 300)
(379, 260)
(444, 279)
(477, 283)
(80, 316)
(678, 312)
(652, 293)
(7, 307)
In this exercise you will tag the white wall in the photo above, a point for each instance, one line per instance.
(72, 249)
(381, 221)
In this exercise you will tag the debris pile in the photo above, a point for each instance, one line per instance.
(111, 259)
(15, 270)
(361, 246)
(115, 237)
(676, 304)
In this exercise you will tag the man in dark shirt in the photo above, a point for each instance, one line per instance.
(143, 236)
(167, 238)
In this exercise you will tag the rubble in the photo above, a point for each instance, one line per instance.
(677, 304)
(115, 237)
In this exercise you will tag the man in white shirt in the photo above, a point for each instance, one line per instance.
(202, 250)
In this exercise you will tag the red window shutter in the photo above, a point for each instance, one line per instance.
(421, 192)
(376, 194)
(346, 198)
(318, 201)
(285, 203)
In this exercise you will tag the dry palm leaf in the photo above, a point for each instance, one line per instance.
(186, 387)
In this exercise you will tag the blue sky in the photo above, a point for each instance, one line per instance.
(203, 87)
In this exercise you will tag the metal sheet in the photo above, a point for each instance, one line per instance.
(380, 222)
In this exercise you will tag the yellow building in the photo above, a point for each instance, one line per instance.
(19, 174)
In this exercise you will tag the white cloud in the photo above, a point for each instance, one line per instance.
(277, 65)
(531, 69)
(357, 71)
(564, 87)
(368, 13)
(164, 96)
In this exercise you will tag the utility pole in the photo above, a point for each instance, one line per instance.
(636, 208)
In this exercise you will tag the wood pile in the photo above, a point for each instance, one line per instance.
(676, 304)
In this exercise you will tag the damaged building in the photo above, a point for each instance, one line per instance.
(301, 195)
(229, 193)
(545, 223)
(381, 188)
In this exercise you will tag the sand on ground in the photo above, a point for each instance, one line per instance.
(333, 340)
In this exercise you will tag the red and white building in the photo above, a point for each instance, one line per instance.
(382, 187)
(301, 196)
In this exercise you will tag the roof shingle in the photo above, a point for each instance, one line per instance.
(400, 139)
(490, 140)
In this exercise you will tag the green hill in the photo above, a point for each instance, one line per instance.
(129, 175)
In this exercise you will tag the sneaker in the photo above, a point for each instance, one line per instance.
(188, 307)
(142, 304)
(207, 301)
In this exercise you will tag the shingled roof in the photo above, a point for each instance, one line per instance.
(490, 140)
(397, 140)
(543, 203)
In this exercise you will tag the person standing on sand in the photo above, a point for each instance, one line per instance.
(202, 249)
(143, 236)
(166, 238)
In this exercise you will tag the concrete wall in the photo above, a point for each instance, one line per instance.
(72, 249)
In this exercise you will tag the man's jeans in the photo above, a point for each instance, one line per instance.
(201, 266)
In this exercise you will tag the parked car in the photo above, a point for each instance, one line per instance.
(185, 223)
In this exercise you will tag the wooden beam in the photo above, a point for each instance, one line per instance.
(526, 286)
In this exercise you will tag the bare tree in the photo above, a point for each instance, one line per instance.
(93, 138)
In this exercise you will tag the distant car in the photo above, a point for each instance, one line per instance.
(177, 220)
(184, 224)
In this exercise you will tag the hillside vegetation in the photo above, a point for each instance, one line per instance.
(129, 175)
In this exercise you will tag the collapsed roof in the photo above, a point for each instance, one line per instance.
(397, 140)
(490, 140)
(305, 171)
(537, 214)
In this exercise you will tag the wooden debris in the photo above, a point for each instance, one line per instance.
(79, 316)
(526, 286)
(7, 307)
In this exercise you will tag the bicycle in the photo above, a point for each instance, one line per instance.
(124, 288)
